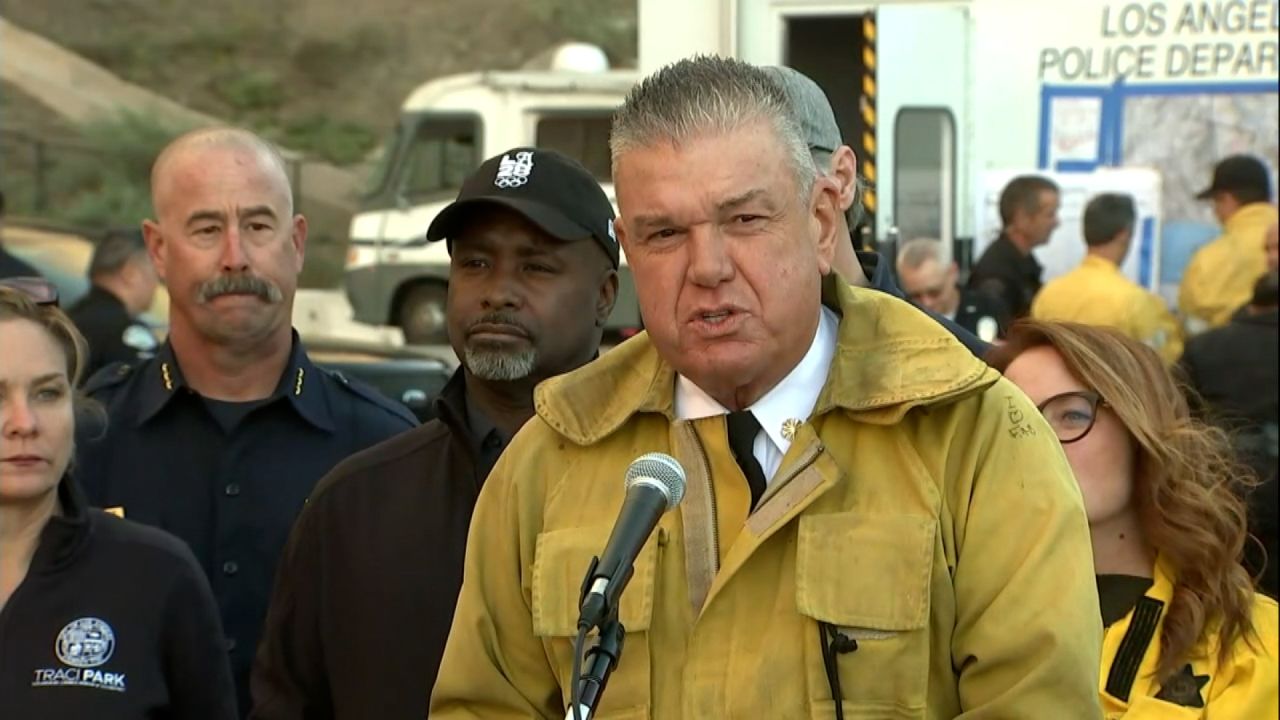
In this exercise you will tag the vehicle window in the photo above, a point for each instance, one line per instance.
(584, 138)
(442, 152)
(924, 174)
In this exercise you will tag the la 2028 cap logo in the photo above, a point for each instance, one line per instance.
(512, 173)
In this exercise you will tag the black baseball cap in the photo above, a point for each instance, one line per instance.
(1238, 172)
(549, 189)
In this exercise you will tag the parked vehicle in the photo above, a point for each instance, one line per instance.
(412, 376)
(447, 127)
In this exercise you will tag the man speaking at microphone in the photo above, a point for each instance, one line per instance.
(874, 524)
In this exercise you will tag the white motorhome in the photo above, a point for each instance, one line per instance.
(446, 129)
(936, 96)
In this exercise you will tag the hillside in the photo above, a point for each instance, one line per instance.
(316, 75)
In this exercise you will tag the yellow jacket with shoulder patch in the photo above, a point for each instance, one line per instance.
(1097, 293)
(1245, 687)
(925, 509)
(1219, 279)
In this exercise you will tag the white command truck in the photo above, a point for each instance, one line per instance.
(938, 96)
(446, 129)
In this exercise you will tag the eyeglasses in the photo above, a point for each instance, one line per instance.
(39, 290)
(1071, 414)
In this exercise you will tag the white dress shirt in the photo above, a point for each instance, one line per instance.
(792, 399)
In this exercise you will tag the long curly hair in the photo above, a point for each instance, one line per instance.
(1187, 484)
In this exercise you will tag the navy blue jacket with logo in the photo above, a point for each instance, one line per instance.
(113, 620)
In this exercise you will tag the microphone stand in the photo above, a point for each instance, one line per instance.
(600, 660)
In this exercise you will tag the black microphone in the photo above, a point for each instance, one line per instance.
(655, 484)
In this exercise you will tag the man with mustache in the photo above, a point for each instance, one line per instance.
(366, 588)
(221, 436)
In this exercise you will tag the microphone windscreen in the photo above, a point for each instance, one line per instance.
(662, 468)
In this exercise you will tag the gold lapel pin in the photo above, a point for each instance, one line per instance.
(789, 428)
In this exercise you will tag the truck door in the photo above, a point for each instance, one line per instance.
(921, 56)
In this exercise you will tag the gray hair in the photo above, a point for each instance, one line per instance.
(915, 253)
(114, 249)
(709, 94)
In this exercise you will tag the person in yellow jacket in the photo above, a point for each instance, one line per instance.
(1187, 635)
(1097, 293)
(874, 525)
(1220, 277)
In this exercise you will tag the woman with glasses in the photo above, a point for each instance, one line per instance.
(1186, 635)
(99, 617)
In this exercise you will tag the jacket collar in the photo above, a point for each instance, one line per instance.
(65, 534)
(889, 358)
(451, 404)
(300, 384)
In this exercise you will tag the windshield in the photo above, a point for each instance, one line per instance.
(441, 153)
(382, 164)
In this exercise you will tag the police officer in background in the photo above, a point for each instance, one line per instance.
(1098, 293)
(933, 286)
(220, 437)
(123, 285)
(1007, 271)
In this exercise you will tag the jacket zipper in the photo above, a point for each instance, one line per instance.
(711, 488)
(715, 513)
(810, 455)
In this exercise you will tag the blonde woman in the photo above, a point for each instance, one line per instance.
(99, 617)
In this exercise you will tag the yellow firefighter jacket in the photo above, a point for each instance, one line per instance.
(1244, 688)
(1097, 293)
(925, 510)
(1219, 279)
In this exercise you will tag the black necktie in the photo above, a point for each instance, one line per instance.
(743, 428)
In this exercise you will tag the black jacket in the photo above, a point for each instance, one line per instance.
(113, 335)
(113, 620)
(229, 481)
(977, 310)
(1007, 275)
(366, 588)
(1235, 371)
(878, 278)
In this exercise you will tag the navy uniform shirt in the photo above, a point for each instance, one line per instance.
(228, 478)
(112, 333)
(878, 278)
(1007, 275)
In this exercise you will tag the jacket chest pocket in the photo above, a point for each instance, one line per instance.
(866, 577)
(561, 558)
